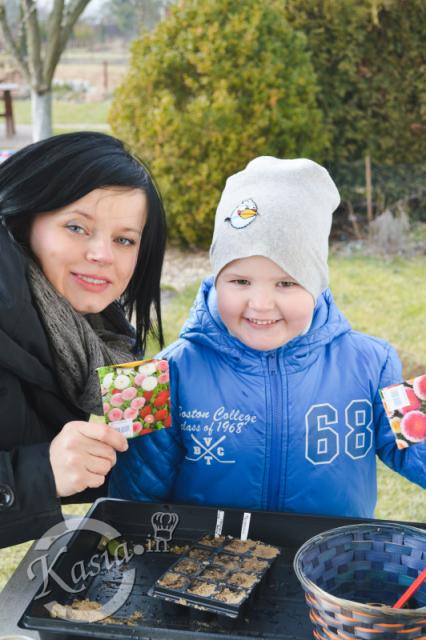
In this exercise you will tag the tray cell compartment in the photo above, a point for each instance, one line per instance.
(176, 581)
(265, 551)
(227, 560)
(217, 573)
(251, 563)
(244, 580)
(186, 566)
(212, 541)
(231, 595)
(234, 545)
(204, 588)
(200, 554)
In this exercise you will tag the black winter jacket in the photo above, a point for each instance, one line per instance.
(32, 409)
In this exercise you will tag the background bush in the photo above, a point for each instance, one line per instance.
(217, 83)
(371, 66)
(370, 61)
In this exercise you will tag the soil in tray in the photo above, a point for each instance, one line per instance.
(231, 596)
(186, 566)
(254, 564)
(265, 551)
(211, 541)
(240, 546)
(214, 573)
(245, 580)
(203, 588)
(230, 562)
(89, 611)
(202, 555)
(173, 581)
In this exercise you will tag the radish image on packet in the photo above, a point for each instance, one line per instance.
(136, 396)
(405, 407)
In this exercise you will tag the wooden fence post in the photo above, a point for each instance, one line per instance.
(105, 69)
(368, 188)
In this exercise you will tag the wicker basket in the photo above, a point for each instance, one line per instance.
(352, 575)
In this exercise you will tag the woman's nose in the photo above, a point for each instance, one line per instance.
(99, 250)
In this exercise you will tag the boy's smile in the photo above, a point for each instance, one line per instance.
(260, 304)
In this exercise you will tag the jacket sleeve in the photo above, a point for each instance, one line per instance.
(28, 502)
(410, 462)
(148, 469)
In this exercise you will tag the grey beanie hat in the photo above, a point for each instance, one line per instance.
(280, 209)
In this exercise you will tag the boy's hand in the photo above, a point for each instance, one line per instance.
(82, 454)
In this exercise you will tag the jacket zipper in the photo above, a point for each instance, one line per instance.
(276, 435)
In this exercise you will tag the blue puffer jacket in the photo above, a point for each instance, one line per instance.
(296, 429)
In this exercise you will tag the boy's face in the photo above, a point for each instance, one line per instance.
(260, 304)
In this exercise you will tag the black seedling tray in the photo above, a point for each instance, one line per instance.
(278, 609)
(192, 570)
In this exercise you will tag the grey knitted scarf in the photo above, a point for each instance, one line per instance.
(80, 343)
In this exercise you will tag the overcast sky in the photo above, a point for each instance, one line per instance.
(94, 7)
(91, 10)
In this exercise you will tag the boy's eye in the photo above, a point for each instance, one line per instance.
(286, 283)
(126, 242)
(240, 282)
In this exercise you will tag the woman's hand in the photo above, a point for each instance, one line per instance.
(82, 454)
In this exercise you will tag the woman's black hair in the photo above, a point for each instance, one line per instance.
(55, 172)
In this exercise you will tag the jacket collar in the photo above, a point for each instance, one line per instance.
(205, 326)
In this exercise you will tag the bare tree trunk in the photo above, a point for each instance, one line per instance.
(41, 111)
(39, 63)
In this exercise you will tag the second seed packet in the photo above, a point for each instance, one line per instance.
(405, 406)
(136, 396)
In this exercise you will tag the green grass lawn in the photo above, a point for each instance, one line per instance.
(381, 297)
(385, 298)
(66, 112)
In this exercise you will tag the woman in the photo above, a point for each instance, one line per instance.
(82, 241)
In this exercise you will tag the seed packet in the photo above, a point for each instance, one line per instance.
(405, 406)
(136, 396)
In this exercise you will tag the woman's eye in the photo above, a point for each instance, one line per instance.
(75, 228)
(126, 242)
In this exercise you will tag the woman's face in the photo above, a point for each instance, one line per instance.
(88, 250)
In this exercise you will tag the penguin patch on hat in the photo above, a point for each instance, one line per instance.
(244, 214)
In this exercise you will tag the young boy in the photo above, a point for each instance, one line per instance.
(275, 397)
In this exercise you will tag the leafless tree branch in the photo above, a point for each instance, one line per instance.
(11, 44)
(32, 30)
(54, 30)
(70, 14)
